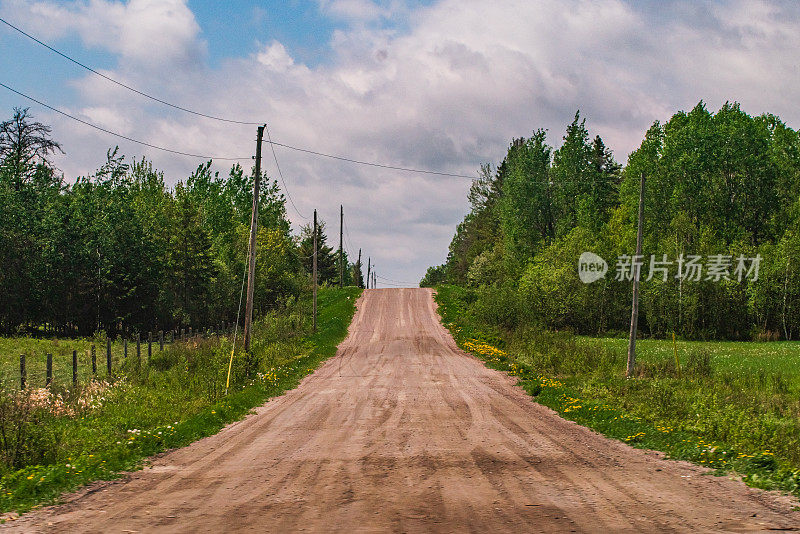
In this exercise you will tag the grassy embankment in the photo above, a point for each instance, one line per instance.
(76, 437)
(732, 407)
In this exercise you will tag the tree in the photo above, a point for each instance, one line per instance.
(327, 258)
(191, 265)
(526, 215)
(571, 176)
(434, 276)
(356, 274)
(25, 144)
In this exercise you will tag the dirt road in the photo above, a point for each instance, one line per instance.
(402, 432)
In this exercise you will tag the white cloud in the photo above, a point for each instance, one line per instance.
(353, 10)
(447, 93)
(275, 57)
(152, 33)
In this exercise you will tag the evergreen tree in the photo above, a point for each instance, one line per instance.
(327, 258)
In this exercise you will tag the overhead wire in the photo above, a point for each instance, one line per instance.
(236, 329)
(131, 139)
(384, 282)
(222, 119)
(371, 164)
(390, 280)
(277, 165)
(348, 239)
(117, 82)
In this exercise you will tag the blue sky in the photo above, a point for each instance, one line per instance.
(442, 85)
(234, 28)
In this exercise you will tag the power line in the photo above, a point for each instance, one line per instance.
(370, 164)
(393, 285)
(347, 239)
(271, 143)
(288, 195)
(187, 110)
(128, 87)
(390, 280)
(131, 139)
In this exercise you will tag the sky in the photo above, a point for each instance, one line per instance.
(442, 85)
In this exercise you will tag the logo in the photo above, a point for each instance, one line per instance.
(591, 267)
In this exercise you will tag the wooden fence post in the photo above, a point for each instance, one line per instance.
(149, 345)
(23, 373)
(138, 349)
(183, 333)
(49, 378)
(125, 348)
(161, 341)
(74, 367)
(94, 361)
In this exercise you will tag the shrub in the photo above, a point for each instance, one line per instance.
(25, 438)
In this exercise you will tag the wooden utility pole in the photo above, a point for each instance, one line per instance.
(359, 278)
(635, 272)
(341, 249)
(248, 310)
(368, 273)
(315, 270)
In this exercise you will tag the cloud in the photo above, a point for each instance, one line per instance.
(151, 33)
(275, 57)
(353, 10)
(444, 87)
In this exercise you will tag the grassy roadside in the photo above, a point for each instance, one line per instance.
(704, 412)
(178, 399)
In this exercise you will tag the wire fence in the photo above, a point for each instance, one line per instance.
(42, 363)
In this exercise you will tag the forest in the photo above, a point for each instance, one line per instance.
(724, 184)
(120, 250)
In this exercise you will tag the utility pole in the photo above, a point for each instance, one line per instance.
(359, 277)
(341, 250)
(315, 270)
(248, 313)
(368, 273)
(635, 305)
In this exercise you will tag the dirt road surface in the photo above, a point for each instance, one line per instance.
(403, 432)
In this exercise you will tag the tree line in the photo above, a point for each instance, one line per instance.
(723, 185)
(120, 250)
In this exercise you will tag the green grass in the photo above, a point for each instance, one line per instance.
(732, 407)
(174, 401)
(36, 350)
(729, 356)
